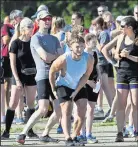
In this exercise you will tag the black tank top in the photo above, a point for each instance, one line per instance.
(94, 73)
(125, 62)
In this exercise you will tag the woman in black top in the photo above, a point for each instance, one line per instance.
(23, 70)
(127, 72)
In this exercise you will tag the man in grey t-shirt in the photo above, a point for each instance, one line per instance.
(45, 49)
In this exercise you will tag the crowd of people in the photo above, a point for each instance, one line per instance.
(69, 68)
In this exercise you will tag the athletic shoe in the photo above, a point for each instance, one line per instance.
(108, 113)
(119, 137)
(31, 134)
(59, 130)
(69, 142)
(3, 120)
(125, 133)
(98, 113)
(19, 121)
(14, 121)
(91, 139)
(82, 138)
(5, 135)
(136, 136)
(21, 138)
(48, 139)
(108, 119)
(130, 131)
(77, 142)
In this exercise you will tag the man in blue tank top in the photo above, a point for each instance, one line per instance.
(75, 68)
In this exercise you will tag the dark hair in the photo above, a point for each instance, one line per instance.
(130, 21)
(89, 37)
(75, 38)
(99, 20)
(80, 16)
(59, 22)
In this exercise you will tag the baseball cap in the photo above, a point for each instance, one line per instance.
(43, 14)
(41, 7)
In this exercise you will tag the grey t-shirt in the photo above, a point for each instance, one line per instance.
(103, 38)
(50, 44)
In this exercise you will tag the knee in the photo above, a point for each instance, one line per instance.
(13, 105)
(43, 111)
(90, 111)
(134, 107)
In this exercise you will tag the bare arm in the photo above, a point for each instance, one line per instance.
(133, 58)
(86, 76)
(47, 57)
(125, 53)
(13, 66)
(108, 47)
(6, 39)
(56, 66)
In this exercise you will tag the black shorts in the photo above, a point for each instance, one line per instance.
(103, 69)
(110, 71)
(26, 80)
(92, 96)
(7, 68)
(64, 94)
(44, 90)
(127, 79)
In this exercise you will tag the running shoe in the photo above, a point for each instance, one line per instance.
(3, 120)
(5, 135)
(59, 130)
(77, 142)
(91, 139)
(98, 113)
(119, 137)
(47, 138)
(108, 113)
(21, 138)
(125, 133)
(69, 142)
(82, 138)
(19, 121)
(31, 134)
(136, 136)
(130, 131)
(108, 119)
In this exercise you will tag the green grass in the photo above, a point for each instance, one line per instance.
(104, 124)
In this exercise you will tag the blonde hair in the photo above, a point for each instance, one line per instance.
(25, 22)
(53, 26)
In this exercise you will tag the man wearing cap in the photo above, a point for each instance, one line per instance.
(45, 49)
(40, 8)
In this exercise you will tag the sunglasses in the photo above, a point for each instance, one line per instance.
(29, 27)
(101, 11)
(46, 19)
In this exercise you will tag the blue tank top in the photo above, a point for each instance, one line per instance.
(74, 71)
